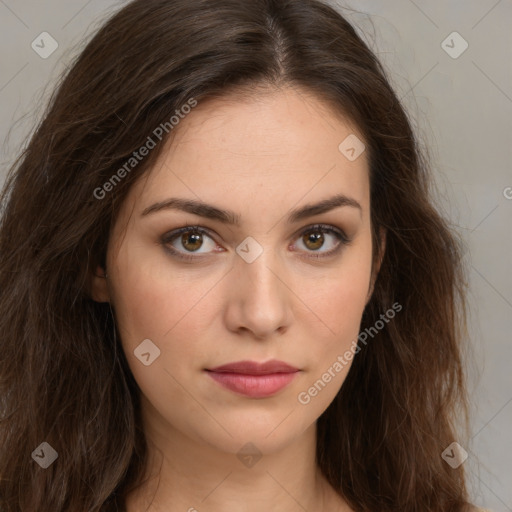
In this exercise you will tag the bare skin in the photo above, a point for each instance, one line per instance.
(260, 158)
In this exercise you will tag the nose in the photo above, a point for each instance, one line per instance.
(260, 300)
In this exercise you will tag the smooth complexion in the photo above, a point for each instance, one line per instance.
(262, 159)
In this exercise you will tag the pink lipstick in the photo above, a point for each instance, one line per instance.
(253, 379)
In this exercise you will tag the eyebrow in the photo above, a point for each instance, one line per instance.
(231, 218)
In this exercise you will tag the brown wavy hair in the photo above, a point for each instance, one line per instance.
(64, 378)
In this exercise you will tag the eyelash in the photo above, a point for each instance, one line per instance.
(323, 228)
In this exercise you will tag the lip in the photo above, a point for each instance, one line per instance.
(253, 379)
(255, 368)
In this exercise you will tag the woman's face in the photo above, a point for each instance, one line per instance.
(271, 287)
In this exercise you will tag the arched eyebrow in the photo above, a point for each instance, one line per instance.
(233, 219)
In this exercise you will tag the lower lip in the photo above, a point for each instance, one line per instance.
(254, 386)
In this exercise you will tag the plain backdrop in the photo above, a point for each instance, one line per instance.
(450, 63)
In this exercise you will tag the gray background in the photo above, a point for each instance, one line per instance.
(462, 110)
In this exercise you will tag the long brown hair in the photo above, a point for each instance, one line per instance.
(64, 379)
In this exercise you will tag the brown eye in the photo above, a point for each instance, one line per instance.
(183, 242)
(192, 241)
(313, 241)
(316, 237)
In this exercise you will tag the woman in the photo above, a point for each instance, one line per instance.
(224, 282)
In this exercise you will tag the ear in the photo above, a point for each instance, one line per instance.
(377, 262)
(98, 285)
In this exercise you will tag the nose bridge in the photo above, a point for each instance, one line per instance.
(259, 262)
(259, 285)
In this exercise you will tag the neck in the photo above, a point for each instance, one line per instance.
(185, 474)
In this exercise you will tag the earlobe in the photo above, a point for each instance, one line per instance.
(98, 286)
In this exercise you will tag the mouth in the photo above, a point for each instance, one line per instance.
(253, 379)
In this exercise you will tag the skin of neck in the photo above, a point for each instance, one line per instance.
(184, 474)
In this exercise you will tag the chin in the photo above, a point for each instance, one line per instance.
(267, 433)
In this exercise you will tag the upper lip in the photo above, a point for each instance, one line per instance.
(255, 368)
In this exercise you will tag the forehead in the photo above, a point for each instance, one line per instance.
(280, 145)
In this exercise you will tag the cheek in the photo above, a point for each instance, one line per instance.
(151, 303)
(341, 309)
(154, 301)
(338, 303)
(339, 297)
